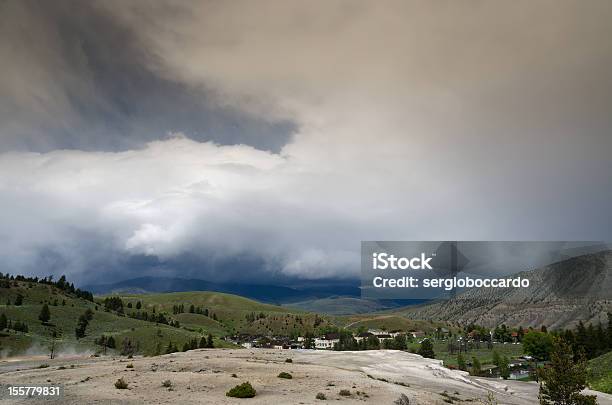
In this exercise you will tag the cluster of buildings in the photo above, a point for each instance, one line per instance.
(322, 342)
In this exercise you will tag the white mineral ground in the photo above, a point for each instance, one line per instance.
(204, 376)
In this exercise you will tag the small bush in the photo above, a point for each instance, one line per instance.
(402, 400)
(288, 361)
(43, 365)
(321, 396)
(345, 393)
(234, 375)
(167, 383)
(244, 390)
(120, 384)
(61, 368)
(130, 365)
(449, 398)
(285, 375)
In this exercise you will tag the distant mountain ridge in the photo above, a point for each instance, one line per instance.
(262, 292)
(559, 295)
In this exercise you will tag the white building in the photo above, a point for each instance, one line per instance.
(327, 341)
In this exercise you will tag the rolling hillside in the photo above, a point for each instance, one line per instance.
(232, 313)
(559, 296)
(65, 309)
(218, 314)
(269, 293)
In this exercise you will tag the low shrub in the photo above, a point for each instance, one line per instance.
(120, 384)
(129, 366)
(345, 393)
(321, 396)
(288, 361)
(402, 400)
(244, 390)
(167, 383)
(285, 375)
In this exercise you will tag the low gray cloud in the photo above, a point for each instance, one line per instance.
(76, 77)
(364, 120)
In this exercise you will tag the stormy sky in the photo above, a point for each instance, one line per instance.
(264, 140)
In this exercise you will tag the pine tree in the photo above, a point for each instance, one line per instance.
(461, 362)
(81, 326)
(496, 358)
(426, 349)
(476, 370)
(203, 343)
(19, 300)
(609, 333)
(45, 314)
(209, 341)
(564, 379)
(600, 340)
(504, 368)
(171, 348)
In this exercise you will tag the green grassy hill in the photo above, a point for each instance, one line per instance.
(226, 314)
(338, 306)
(231, 312)
(390, 322)
(600, 370)
(65, 310)
(213, 313)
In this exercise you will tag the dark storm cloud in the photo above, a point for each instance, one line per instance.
(74, 76)
(410, 120)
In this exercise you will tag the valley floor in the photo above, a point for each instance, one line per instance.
(203, 376)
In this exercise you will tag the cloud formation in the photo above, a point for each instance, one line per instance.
(366, 120)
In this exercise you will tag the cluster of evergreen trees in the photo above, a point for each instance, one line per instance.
(138, 305)
(588, 341)
(113, 304)
(252, 317)
(106, 342)
(17, 326)
(153, 317)
(204, 343)
(592, 341)
(180, 309)
(62, 284)
(348, 342)
(116, 304)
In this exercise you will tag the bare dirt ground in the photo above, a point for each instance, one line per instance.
(204, 376)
